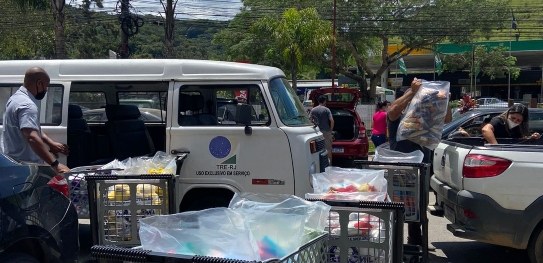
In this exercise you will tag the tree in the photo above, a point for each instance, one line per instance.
(169, 23)
(247, 37)
(492, 62)
(415, 24)
(57, 8)
(300, 37)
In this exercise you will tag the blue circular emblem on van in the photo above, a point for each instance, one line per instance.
(220, 147)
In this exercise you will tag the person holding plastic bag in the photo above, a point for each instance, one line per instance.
(396, 113)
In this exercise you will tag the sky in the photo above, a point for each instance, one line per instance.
(186, 9)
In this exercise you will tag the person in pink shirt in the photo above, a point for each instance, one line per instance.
(379, 131)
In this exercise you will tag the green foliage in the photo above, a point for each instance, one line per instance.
(416, 24)
(493, 62)
(92, 34)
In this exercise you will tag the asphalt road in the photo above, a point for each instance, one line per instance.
(449, 249)
(456, 250)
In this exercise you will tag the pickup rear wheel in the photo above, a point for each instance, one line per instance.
(535, 248)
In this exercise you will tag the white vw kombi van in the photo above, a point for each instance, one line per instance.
(243, 124)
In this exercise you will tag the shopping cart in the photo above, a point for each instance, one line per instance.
(312, 252)
(365, 231)
(78, 187)
(117, 202)
(408, 183)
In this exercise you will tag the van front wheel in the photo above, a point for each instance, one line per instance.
(535, 248)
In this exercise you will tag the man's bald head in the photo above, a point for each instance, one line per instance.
(36, 82)
(34, 74)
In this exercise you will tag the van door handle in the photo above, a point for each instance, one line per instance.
(180, 151)
(443, 160)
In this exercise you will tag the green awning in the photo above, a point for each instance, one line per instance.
(515, 46)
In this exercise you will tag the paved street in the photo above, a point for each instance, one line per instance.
(449, 249)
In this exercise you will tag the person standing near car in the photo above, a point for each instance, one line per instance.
(394, 116)
(322, 116)
(379, 129)
(23, 138)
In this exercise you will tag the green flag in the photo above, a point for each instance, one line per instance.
(438, 65)
(402, 66)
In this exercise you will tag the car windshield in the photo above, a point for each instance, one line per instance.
(288, 105)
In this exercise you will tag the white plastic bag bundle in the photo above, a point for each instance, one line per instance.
(215, 232)
(349, 184)
(383, 153)
(424, 118)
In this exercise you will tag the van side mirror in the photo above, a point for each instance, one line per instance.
(243, 116)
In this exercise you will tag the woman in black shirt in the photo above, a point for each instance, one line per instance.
(511, 124)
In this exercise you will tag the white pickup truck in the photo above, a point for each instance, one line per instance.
(492, 193)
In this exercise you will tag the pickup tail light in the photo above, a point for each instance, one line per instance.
(59, 183)
(482, 166)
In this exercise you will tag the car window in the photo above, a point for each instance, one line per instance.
(50, 107)
(92, 104)
(5, 93)
(205, 105)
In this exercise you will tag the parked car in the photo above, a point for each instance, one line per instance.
(350, 140)
(147, 115)
(472, 121)
(491, 193)
(38, 223)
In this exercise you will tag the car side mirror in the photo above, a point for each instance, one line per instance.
(243, 116)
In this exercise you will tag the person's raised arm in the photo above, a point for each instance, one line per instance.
(488, 133)
(395, 109)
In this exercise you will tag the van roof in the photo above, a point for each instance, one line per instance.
(131, 69)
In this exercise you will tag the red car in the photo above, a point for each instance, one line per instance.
(350, 140)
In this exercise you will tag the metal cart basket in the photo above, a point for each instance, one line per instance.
(117, 202)
(408, 183)
(312, 252)
(365, 232)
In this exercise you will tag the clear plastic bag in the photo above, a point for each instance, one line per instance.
(160, 163)
(215, 232)
(423, 120)
(349, 184)
(383, 153)
(280, 224)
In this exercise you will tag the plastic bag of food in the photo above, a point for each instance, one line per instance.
(423, 120)
(383, 153)
(349, 184)
(160, 163)
(280, 224)
(215, 232)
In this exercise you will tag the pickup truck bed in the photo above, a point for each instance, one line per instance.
(492, 193)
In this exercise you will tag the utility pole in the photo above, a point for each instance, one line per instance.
(125, 18)
(334, 47)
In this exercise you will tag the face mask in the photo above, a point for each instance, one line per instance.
(40, 95)
(512, 124)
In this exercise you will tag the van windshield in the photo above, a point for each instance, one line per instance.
(288, 105)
